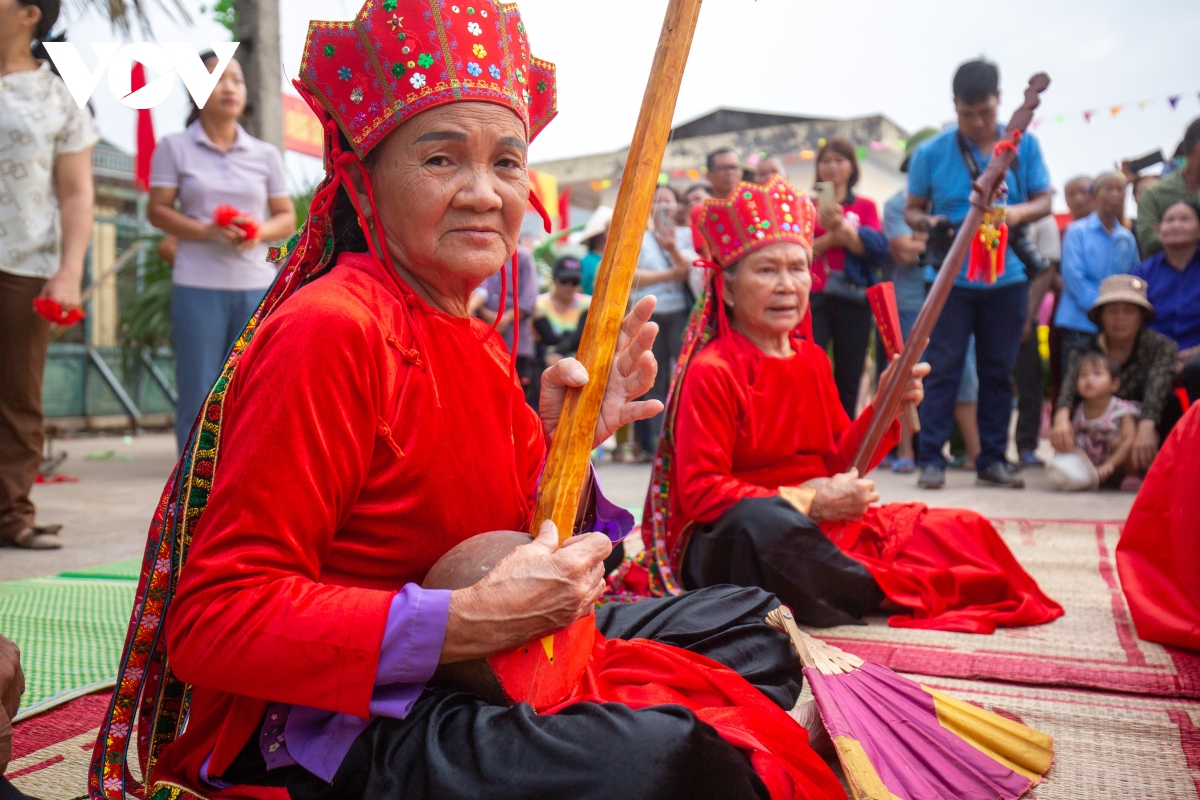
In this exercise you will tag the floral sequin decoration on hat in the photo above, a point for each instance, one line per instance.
(398, 58)
(755, 216)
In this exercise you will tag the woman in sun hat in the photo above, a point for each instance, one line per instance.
(1145, 360)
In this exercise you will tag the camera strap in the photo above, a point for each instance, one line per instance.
(972, 163)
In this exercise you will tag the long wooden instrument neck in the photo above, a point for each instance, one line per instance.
(567, 462)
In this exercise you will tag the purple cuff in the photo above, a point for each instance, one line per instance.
(318, 740)
(611, 520)
(412, 639)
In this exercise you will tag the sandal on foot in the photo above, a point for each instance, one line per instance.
(904, 466)
(36, 538)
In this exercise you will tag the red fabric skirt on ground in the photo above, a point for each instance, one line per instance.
(1158, 557)
(949, 565)
(641, 673)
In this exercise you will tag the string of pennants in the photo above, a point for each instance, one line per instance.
(1112, 111)
(1088, 115)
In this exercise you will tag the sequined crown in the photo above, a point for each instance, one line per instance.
(755, 216)
(398, 58)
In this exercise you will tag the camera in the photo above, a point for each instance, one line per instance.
(1020, 239)
(941, 236)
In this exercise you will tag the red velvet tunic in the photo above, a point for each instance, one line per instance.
(747, 424)
(341, 480)
(1158, 556)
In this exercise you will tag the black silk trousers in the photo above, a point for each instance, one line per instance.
(767, 542)
(454, 745)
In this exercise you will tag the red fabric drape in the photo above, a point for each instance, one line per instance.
(145, 133)
(641, 673)
(949, 565)
(1158, 557)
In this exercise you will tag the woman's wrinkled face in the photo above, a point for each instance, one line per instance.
(229, 96)
(1179, 226)
(769, 289)
(835, 168)
(1120, 320)
(451, 190)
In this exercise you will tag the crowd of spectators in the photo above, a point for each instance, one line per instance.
(1092, 280)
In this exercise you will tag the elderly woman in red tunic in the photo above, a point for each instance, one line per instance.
(752, 486)
(282, 643)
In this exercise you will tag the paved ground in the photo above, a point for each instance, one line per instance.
(106, 514)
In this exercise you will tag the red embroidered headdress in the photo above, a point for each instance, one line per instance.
(755, 216)
(398, 58)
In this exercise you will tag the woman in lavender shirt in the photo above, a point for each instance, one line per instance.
(220, 273)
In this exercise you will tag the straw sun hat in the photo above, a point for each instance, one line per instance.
(1122, 289)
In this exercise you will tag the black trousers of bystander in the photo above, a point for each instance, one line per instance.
(847, 323)
(1029, 379)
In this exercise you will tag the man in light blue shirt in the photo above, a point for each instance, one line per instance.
(1094, 248)
(939, 188)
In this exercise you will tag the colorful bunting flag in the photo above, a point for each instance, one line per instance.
(1173, 100)
(1116, 110)
(1087, 115)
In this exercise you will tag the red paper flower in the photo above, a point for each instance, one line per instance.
(226, 215)
(53, 312)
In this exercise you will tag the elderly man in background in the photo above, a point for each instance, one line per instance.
(723, 168)
(1077, 193)
(1094, 248)
(768, 168)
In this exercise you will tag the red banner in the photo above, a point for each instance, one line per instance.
(301, 128)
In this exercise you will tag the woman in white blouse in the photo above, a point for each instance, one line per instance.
(46, 216)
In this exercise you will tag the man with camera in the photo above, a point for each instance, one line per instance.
(993, 307)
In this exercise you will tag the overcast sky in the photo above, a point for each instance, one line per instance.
(816, 58)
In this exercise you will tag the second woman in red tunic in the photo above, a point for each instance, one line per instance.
(752, 485)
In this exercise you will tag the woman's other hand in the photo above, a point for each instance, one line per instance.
(1145, 446)
(1062, 435)
(915, 391)
(845, 497)
(229, 234)
(537, 588)
(631, 376)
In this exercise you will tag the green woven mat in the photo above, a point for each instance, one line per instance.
(70, 632)
(129, 569)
